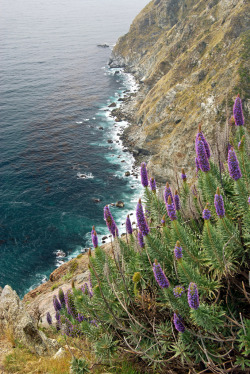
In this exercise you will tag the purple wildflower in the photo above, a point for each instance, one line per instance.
(178, 323)
(233, 165)
(177, 201)
(152, 183)
(58, 320)
(237, 111)
(163, 221)
(94, 237)
(70, 305)
(159, 275)
(202, 156)
(57, 316)
(167, 193)
(144, 174)
(129, 226)
(80, 317)
(140, 239)
(171, 210)
(219, 204)
(141, 220)
(206, 214)
(197, 165)
(56, 303)
(61, 297)
(49, 318)
(110, 222)
(183, 175)
(193, 296)
(249, 200)
(178, 250)
(203, 139)
(178, 291)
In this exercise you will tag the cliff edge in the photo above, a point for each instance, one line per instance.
(191, 59)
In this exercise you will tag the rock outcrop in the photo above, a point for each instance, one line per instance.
(191, 60)
(15, 319)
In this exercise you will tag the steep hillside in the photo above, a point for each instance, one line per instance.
(189, 55)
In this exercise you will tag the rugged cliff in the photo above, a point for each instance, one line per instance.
(189, 55)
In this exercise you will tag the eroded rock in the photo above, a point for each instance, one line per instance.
(15, 318)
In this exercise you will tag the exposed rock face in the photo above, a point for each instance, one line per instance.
(191, 59)
(13, 316)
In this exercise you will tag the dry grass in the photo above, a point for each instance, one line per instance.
(22, 361)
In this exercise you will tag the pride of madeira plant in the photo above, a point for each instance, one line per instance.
(176, 292)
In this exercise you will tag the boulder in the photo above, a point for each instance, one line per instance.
(14, 317)
(127, 173)
(120, 204)
(112, 105)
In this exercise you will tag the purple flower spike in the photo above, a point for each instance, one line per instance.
(56, 303)
(203, 139)
(61, 297)
(94, 237)
(178, 323)
(129, 226)
(206, 214)
(178, 291)
(110, 222)
(141, 220)
(163, 221)
(160, 277)
(49, 318)
(144, 174)
(237, 111)
(80, 317)
(178, 250)
(177, 201)
(197, 165)
(193, 296)
(167, 193)
(202, 156)
(249, 200)
(58, 320)
(171, 210)
(219, 204)
(233, 165)
(140, 239)
(152, 183)
(183, 175)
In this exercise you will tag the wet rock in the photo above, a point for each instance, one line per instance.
(110, 141)
(127, 173)
(103, 45)
(112, 105)
(96, 200)
(100, 128)
(104, 237)
(119, 204)
(60, 253)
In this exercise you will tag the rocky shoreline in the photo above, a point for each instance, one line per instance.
(127, 112)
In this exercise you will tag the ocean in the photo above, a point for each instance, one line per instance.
(57, 158)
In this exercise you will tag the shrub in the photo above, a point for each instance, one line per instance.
(180, 300)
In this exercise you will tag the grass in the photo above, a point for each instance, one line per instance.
(22, 361)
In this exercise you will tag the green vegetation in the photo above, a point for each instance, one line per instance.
(179, 298)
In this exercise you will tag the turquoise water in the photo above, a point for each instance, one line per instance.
(55, 89)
